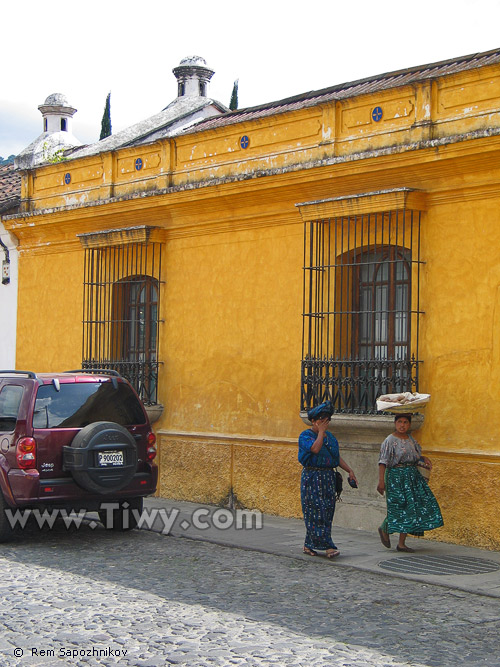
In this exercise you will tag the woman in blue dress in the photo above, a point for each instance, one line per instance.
(319, 456)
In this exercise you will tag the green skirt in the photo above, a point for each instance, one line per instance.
(411, 506)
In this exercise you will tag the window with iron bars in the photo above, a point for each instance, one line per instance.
(361, 309)
(121, 313)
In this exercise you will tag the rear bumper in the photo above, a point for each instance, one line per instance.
(27, 489)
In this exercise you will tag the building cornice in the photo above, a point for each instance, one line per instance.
(454, 142)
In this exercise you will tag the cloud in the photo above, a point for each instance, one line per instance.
(19, 125)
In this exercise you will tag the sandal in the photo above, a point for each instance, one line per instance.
(332, 553)
(406, 549)
(309, 552)
(384, 538)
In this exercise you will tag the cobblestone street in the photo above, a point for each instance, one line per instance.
(91, 597)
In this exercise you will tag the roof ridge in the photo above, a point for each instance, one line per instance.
(351, 84)
(333, 92)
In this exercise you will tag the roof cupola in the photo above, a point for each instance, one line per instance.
(57, 114)
(193, 76)
(56, 136)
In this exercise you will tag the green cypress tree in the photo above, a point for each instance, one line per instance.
(233, 104)
(106, 119)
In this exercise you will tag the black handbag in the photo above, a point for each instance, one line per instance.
(338, 477)
(338, 484)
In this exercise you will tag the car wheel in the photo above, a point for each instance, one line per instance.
(6, 530)
(102, 457)
(126, 517)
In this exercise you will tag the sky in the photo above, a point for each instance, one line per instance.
(275, 48)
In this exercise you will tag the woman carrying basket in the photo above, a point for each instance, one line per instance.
(411, 505)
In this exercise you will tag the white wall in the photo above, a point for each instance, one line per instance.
(8, 304)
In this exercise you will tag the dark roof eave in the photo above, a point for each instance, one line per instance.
(8, 204)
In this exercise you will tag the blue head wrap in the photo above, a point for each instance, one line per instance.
(325, 409)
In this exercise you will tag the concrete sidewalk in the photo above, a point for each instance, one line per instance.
(449, 565)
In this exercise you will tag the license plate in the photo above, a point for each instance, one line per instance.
(106, 459)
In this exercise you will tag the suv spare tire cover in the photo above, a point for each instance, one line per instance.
(81, 457)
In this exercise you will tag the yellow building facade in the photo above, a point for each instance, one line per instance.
(220, 220)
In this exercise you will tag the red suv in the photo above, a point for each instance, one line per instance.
(75, 440)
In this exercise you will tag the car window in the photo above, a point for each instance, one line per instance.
(76, 405)
(10, 400)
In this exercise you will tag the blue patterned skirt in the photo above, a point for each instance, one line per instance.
(317, 494)
(411, 506)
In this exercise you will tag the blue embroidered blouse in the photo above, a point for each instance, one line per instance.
(327, 457)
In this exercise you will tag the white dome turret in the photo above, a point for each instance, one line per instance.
(57, 114)
(193, 76)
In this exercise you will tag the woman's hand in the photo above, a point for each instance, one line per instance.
(323, 425)
(320, 427)
(381, 478)
(427, 462)
(347, 469)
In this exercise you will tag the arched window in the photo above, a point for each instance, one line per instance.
(135, 331)
(381, 297)
(64, 125)
(136, 324)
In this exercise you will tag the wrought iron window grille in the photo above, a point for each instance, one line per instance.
(361, 309)
(122, 285)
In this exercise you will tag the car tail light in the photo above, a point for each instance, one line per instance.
(26, 453)
(151, 450)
